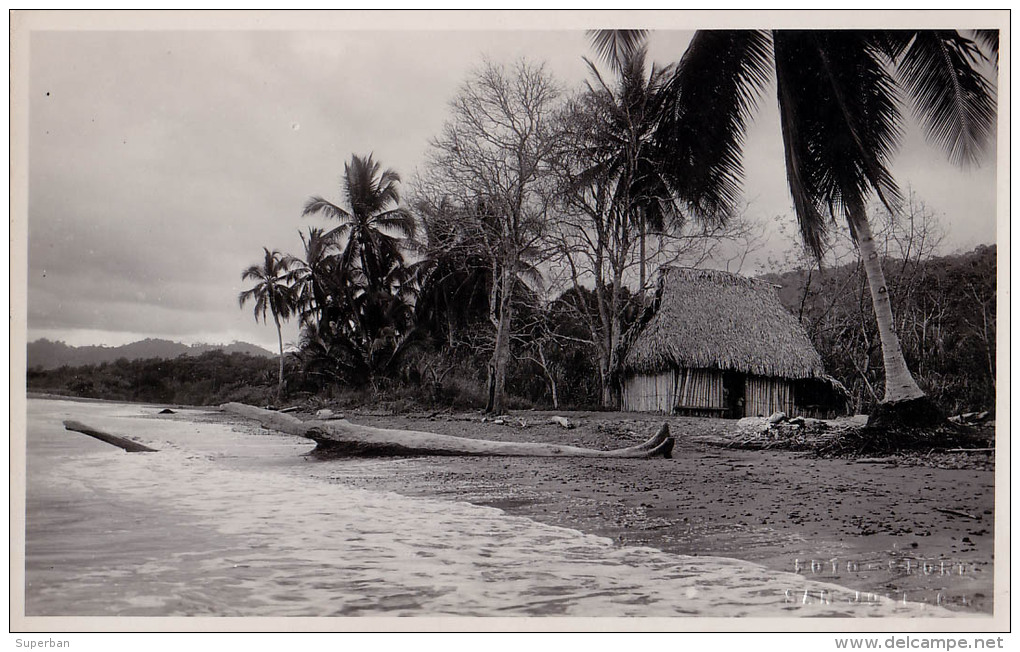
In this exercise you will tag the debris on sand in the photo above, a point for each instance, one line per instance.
(973, 418)
(852, 437)
(562, 421)
(326, 414)
(797, 433)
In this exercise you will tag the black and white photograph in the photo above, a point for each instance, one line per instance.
(510, 320)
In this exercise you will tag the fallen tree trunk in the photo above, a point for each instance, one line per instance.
(121, 442)
(341, 437)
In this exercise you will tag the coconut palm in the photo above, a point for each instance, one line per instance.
(272, 294)
(628, 114)
(311, 275)
(364, 287)
(373, 198)
(841, 119)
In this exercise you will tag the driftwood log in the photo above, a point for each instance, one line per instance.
(341, 437)
(120, 442)
(561, 421)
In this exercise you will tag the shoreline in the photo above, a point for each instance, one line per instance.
(226, 521)
(872, 525)
(879, 526)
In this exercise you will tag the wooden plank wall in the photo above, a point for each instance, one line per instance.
(650, 392)
(686, 390)
(765, 396)
(700, 388)
(670, 390)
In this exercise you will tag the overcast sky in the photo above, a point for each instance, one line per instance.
(161, 162)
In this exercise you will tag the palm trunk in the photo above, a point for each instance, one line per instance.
(611, 397)
(319, 295)
(279, 336)
(605, 385)
(899, 383)
(605, 309)
(501, 356)
(643, 273)
(612, 390)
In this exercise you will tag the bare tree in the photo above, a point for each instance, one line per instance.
(492, 161)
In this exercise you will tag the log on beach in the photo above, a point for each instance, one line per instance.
(341, 437)
(121, 442)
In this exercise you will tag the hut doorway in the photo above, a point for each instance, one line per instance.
(733, 393)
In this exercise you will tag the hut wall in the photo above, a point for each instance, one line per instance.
(650, 392)
(700, 393)
(765, 396)
(695, 392)
(699, 388)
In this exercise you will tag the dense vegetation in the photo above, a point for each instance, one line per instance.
(520, 266)
(208, 379)
(945, 310)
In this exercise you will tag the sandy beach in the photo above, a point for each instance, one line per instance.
(873, 525)
(230, 519)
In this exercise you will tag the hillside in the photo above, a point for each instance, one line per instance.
(47, 354)
(945, 310)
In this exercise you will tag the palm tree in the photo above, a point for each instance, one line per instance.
(367, 305)
(625, 147)
(373, 198)
(272, 293)
(841, 121)
(311, 276)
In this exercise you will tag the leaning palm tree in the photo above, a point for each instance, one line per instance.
(841, 119)
(373, 200)
(272, 293)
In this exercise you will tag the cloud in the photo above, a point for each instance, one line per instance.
(161, 162)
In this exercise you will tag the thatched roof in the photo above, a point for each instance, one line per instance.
(712, 319)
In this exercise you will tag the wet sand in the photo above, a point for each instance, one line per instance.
(228, 519)
(868, 524)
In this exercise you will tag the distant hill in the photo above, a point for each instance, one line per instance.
(945, 309)
(50, 355)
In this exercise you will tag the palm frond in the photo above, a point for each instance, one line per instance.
(387, 189)
(839, 138)
(317, 205)
(597, 76)
(989, 38)
(531, 274)
(614, 45)
(398, 219)
(952, 99)
(246, 296)
(316, 244)
(709, 100)
(339, 233)
(251, 273)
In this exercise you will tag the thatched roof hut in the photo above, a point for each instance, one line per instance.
(722, 344)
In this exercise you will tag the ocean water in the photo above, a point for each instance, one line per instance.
(223, 523)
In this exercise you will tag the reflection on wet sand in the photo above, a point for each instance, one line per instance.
(227, 524)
